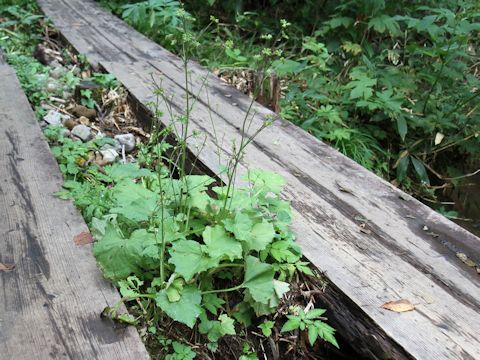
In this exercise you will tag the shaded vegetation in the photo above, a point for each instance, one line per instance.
(392, 85)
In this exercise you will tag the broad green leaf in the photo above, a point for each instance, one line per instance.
(420, 170)
(343, 21)
(220, 244)
(173, 294)
(243, 313)
(120, 171)
(262, 234)
(186, 310)
(352, 48)
(189, 258)
(118, 257)
(303, 267)
(259, 279)
(168, 231)
(362, 88)
(383, 23)
(361, 84)
(280, 288)
(196, 186)
(280, 250)
(402, 168)
(286, 67)
(241, 226)
(268, 180)
(197, 182)
(134, 201)
(261, 309)
(181, 352)
(402, 126)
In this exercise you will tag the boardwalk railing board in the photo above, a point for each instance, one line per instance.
(52, 300)
(398, 259)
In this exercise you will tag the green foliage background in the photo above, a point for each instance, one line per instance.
(392, 85)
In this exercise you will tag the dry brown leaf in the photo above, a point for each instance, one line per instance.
(137, 130)
(6, 267)
(83, 238)
(402, 305)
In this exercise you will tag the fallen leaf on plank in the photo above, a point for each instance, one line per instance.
(83, 238)
(402, 305)
(7, 267)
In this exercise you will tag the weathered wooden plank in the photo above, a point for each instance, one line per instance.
(398, 259)
(51, 302)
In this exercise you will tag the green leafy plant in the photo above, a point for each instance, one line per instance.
(380, 88)
(105, 80)
(71, 155)
(310, 321)
(156, 18)
(181, 352)
(182, 247)
(267, 327)
(179, 244)
(87, 99)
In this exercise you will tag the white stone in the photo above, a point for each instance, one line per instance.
(128, 140)
(53, 117)
(109, 155)
(82, 132)
(116, 146)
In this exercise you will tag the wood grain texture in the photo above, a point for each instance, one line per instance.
(51, 301)
(397, 259)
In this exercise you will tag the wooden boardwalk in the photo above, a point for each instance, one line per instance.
(406, 251)
(51, 301)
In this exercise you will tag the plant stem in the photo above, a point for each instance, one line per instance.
(238, 287)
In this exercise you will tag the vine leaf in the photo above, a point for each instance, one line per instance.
(186, 310)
